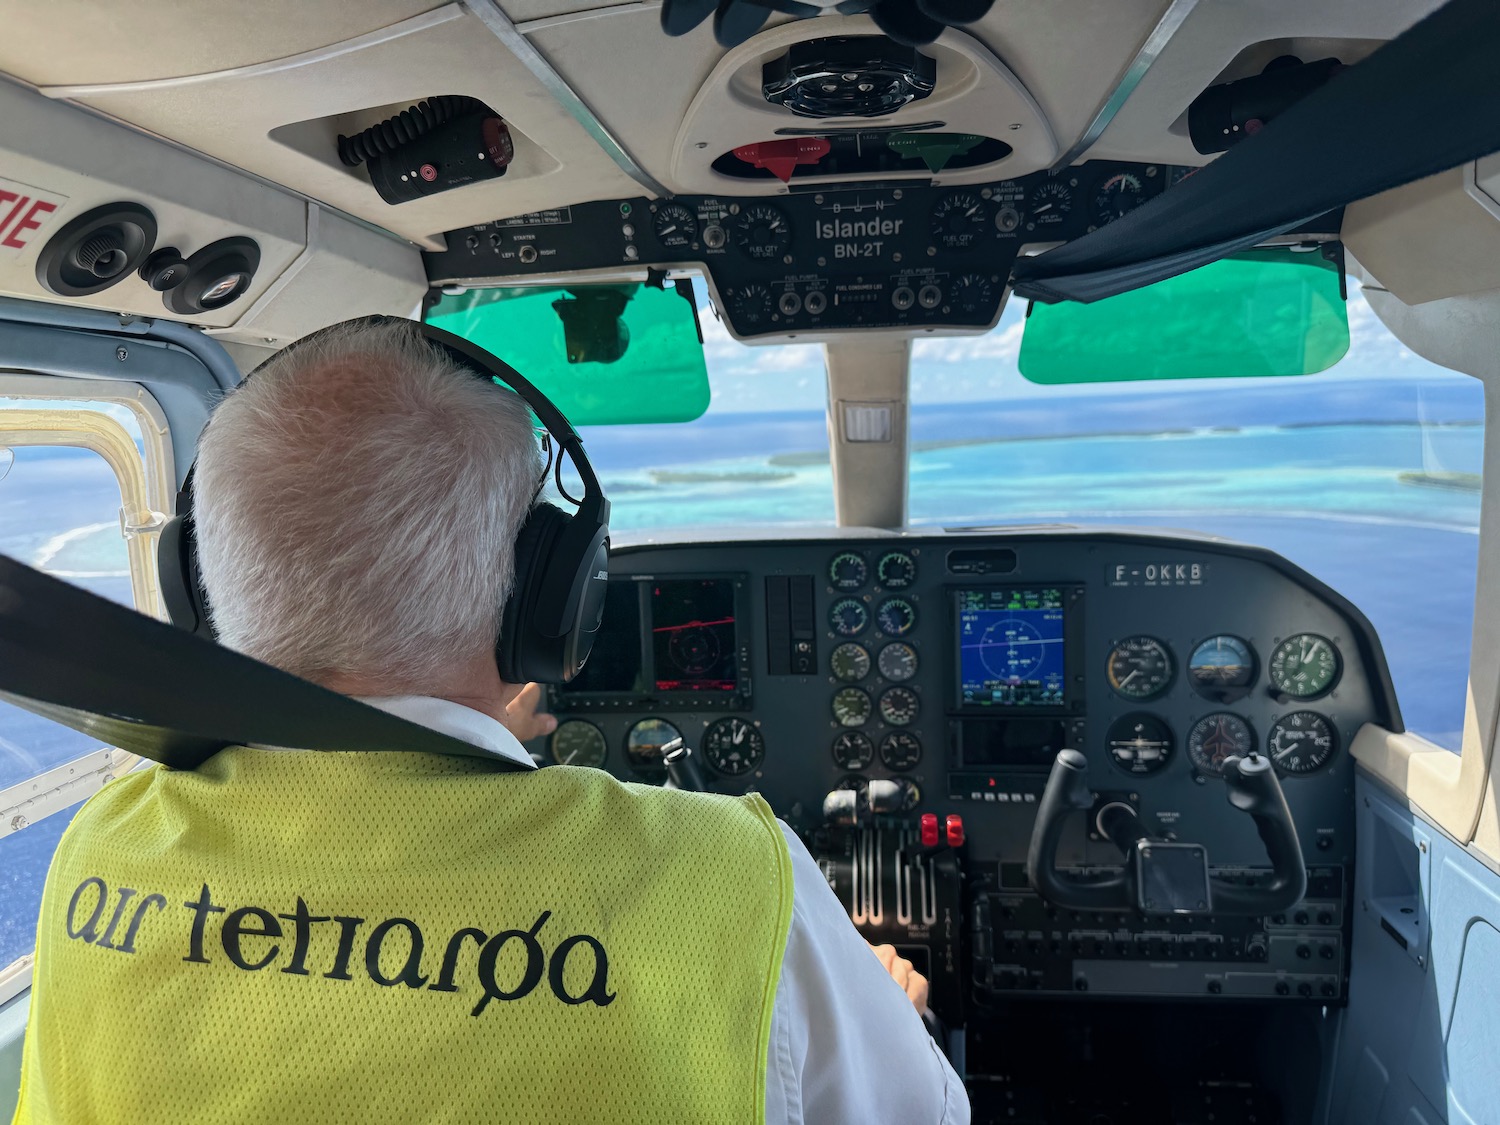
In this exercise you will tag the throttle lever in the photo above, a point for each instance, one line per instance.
(683, 771)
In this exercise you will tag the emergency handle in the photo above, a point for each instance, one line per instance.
(1250, 786)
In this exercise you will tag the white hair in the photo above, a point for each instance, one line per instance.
(356, 506)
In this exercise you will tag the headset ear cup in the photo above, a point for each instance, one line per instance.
(522, 652)
(177, 574)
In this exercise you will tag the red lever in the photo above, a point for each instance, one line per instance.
(929, 830)
(781, 158)
(955, 828)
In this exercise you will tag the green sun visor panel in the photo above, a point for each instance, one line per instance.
(1263, 312)
(606, 355)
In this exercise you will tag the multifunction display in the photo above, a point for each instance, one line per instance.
(693, 635)
(1012, 647)
(666, 643)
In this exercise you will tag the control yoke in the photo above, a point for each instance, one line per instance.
(1160, 876)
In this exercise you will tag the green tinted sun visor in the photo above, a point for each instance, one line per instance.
(1264, 312)
(607, 354)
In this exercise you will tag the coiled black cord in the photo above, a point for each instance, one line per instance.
(405, 127)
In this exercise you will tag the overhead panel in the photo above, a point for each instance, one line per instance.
(975, 97)
(282, 119)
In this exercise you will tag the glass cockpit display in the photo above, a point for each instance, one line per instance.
(1012, 646)
(693, 635)
(666, 643)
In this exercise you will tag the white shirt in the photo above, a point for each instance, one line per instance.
(846, 1043)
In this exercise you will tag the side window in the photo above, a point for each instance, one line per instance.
(77, 501)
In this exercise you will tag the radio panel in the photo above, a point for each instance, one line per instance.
(881, 256)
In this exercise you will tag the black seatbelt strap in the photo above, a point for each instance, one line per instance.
(1427, 101)
(167, 695)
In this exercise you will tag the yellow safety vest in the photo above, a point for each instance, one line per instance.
(293, 936)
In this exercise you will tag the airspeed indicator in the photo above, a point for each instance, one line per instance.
(1140, 667)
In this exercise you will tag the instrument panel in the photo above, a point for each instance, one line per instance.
(955, 667)
(878, 256)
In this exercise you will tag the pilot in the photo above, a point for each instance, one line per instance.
(305, 936)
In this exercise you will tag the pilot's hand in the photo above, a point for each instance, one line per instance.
(524, 717)
(903, 974)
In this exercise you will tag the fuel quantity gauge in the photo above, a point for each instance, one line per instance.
(675, 226)
(762, 232)
(1050, 204)
(959, 220)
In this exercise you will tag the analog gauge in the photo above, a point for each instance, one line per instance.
(959, 221)
(851, 707)
(900, 751)
(911, 793)
(1301, 742)
(1139, 743)
(853, 750)
(751, 305)
(848, 571)
(848, 617)
(762, 232)
(733, 746)
(675, 225)
(1116, 197)
(1222, 668)
(1050, 204)
(896, 570)
(850, 662)
(1216, 737)
(577, 743)
(1140, 667)
(896, 617)
(897, 662)
(643, 747)
(1305, 666)
(857, 782)
(972, 292)
(899, 706)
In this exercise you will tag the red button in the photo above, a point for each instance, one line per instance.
(427, 172)
(929, 830)
(955, 828)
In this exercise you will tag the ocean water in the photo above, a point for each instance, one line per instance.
(1372, 488)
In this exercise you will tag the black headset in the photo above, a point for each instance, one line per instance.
(562, 560)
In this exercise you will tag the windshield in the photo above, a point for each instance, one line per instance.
(1367, 474)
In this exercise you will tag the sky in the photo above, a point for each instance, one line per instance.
(982, 368)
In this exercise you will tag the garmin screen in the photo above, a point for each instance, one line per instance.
(693, 639)
(1011, 647)
(614, 663)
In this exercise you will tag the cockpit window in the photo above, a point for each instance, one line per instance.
(758, 456)
(1367, 475)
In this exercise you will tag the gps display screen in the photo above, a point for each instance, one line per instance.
(1011, 647)
(693, 640)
